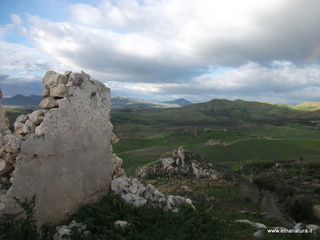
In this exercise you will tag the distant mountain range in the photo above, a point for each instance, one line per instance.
(33, 101)
(219, 111)
(180, 102)
(122, 102)
(23, 101)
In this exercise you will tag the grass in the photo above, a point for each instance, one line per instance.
(150, 223)
(250, 143)
(143, 143)
(210, 220)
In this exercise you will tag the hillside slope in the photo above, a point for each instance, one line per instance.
(22, 101)
(181, 102)
(214, 111)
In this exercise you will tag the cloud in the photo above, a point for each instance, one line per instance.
(281, 82)
(223, 32)
(25, 86)
(131, 57)
(163, 49)
(3, 77)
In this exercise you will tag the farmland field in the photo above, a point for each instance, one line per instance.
(140, 144)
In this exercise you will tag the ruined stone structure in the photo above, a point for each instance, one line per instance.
(61, 153)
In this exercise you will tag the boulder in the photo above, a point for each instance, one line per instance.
(58, 91)
(52, 78)
(253, 224)
(151, 193)
(121, 224)
(65, 231)
(48, 103)
(134, 192)
(258, 234)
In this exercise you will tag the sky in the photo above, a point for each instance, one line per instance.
(265, 50)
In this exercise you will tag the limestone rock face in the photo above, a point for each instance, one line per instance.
(61, 153)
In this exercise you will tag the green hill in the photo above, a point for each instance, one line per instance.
(181, 102)
(22, 101)
(214, 111)
(306, 106)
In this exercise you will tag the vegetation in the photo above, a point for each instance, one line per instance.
(141, 144)
(249, 137)
(22, 226)
(294, 183)
(151, 223)
(210, 220)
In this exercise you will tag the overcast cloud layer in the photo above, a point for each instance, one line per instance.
(266, 50)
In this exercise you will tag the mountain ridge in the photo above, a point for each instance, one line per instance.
(181, 102)
(21, 100)
(212, 108)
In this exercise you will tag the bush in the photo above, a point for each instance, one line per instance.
(284, 190)
(263, 181)
(16, 227)
(300, 208)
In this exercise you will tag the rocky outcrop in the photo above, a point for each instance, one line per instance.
(186, 174)
(253, 224)
(134, 192)
(65, 232)
(185, 164)
(61, 153)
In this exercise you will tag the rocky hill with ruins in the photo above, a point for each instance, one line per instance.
(186, 173)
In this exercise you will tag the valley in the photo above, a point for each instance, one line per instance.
(249, 138)
(241, 132)
(275, 151)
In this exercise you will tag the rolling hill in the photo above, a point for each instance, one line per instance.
(212, 112)
(180, 102)
(22, 101)
(306, 106)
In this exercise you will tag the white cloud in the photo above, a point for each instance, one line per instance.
(22, 59)
(171, 47)
(282, 82)
(224, 32)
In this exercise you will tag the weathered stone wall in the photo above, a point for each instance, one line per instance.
(63, 152)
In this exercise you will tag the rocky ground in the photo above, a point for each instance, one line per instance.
(186, 173)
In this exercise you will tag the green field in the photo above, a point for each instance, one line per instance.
(146, 134)
(142, 144)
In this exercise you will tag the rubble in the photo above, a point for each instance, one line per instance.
(134, 192)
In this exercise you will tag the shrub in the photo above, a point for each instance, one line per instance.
(284, 190)
(17, 227)
(300, 208)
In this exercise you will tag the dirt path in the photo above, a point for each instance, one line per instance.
(270, 207)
